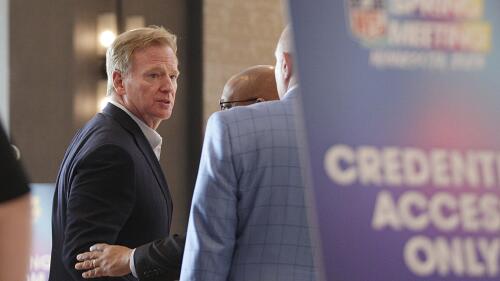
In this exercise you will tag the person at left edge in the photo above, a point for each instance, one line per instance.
(15, 214)
(110, 187)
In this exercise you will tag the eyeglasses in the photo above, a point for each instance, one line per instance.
(229, 104)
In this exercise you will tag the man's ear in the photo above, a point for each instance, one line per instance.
(118, 83)
(287, 66)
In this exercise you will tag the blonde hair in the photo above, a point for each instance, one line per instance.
(118, 56)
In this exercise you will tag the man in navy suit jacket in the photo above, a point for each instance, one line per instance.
(161, 259)
(110, 187)
(248, 217)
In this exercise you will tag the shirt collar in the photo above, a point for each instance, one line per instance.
(154, 139)
(287, 94)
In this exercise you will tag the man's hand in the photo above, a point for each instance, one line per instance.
(104, 260)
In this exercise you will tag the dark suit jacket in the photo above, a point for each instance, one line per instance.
(110, 188)
(160, 260)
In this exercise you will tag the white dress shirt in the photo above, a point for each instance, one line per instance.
(151, 135)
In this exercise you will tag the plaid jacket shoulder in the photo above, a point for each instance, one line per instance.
(248, 216)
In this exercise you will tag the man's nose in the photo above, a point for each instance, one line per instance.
(167, 84)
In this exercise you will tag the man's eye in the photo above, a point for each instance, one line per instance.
(154, 75)
(173, 77)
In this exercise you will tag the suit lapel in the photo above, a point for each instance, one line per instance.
(131, 126)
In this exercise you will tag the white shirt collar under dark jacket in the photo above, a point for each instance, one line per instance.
(151, 135)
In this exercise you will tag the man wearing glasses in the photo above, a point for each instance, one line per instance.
(252, 85)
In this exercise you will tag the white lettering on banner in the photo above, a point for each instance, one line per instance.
(466, 201)
(412, 167)
(433, 60)
(386, 213)
(412, 210)
(37, 276)
(472, 37)
(468, 9)
(467, 62)
(442, 35)
(342, 154)
(39, 268)
(468, 256)
(40, 262)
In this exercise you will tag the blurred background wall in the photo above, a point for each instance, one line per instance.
(55, 68)
(4, 62)
(237, 34)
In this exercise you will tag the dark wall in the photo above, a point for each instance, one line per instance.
(41, 83)
(54, 73)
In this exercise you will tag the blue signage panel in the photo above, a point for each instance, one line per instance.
(402, 108)
(41, 208)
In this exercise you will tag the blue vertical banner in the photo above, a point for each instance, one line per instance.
(41, 208)
(401, 102)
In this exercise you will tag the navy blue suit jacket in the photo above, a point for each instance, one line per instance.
(110, 188)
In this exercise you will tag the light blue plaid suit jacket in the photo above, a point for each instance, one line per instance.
(248, 216)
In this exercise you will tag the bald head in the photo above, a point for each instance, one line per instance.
(254, 84)
(285, 72)
(285, 43)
